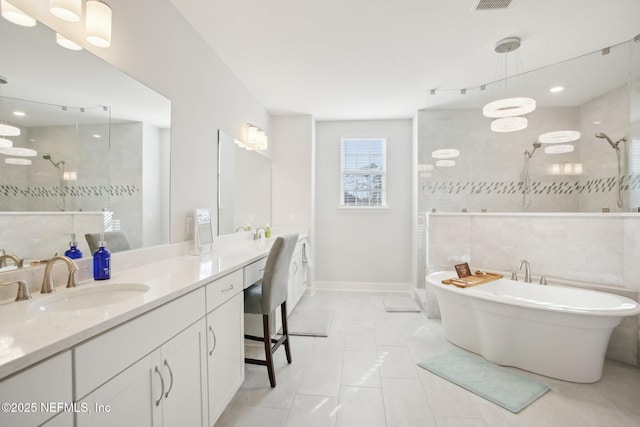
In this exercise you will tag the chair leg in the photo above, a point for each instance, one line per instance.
(267, 349)
(285, 330)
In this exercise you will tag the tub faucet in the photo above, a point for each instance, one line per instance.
(47, 282)
(256, 236)
(527, 270)
(18, 261)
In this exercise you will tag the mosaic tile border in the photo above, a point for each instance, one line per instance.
(126, 190)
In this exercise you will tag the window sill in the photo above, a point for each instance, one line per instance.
(364, 209)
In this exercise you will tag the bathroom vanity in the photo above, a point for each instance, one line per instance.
(170, 355)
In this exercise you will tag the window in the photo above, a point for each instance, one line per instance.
(363, 179)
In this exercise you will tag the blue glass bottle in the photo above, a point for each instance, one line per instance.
(73, 252)
(102, 261)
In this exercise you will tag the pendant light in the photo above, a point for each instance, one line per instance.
(68, 10)
(559, 136)
(508, 111)
(98, 23)
(15, 15)
(66, 43)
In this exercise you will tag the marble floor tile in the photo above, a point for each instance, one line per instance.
(364, 374)
(361, 406)
(406, 404)
(361, 369)
(313, 411)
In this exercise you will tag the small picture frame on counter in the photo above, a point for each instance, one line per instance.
(463, 270)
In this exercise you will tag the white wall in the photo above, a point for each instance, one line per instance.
(361, 249)
(155, 45)
(292, 174)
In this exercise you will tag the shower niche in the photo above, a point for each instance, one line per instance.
(68, 169)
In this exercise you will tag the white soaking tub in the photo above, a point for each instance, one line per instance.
(556, 331)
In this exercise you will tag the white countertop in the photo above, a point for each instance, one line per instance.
(28, 335)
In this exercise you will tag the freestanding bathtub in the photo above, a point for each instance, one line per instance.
(556, 331)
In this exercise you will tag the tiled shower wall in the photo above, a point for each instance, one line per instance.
(599, 250)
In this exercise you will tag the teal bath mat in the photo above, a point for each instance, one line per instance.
(496, 384)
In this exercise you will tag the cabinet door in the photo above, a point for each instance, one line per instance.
(183, 364)
(132, 398)
(225, 332)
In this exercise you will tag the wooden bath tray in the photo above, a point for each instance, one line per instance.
(473, 280)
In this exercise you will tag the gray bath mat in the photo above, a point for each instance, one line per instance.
(310, 322)
(496, 384)
(401, 304)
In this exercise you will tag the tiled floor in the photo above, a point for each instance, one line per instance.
(365, 375)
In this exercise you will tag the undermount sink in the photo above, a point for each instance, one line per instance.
(91, 297)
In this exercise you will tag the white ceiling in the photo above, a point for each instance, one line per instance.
(367, 59)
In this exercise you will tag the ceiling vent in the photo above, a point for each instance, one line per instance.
(490, 4)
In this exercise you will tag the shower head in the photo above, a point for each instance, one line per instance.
(56, 164)
(536, 145)
(614, 145)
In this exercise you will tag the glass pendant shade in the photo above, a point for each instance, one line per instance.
(8, 130)
(509, 107)
(66, 43)
(509, 124)
(558, 149)
(559, 136)
(5, 143)
(15, 15)
(14, 161)
(98, 23)
(68, 10)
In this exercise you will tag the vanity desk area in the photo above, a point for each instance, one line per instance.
(157, 344)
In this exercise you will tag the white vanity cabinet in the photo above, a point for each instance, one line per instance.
(225, 341)
(149, 371)
(29, 393)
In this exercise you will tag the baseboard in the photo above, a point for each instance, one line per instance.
(362, 286)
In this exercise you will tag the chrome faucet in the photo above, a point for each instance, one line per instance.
(19, 261)
(47, 282)
(257, 236)
(242, 229)
(527, 270)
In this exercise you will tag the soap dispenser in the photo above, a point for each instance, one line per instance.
(73, 252)
(267, 231)
(102, 261)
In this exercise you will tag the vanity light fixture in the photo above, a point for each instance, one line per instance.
(15, 15)
(68, 10)
(511, 108)
(5, 143)
(98, 23)
(66, 43)
(559, 149)
(15, 161)
(445, 163)
(256, 138)
(70, 176)
(559, 136)
(445, 153)
(566, 168)
(426, 167)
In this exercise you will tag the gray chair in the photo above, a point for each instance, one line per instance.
(266, 295)
(116, 241)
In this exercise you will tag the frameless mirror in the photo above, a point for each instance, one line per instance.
(98, 145)
(509, 171)
(244, 187)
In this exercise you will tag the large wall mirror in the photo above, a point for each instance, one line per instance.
(93, 149)
(596, 94)
(244, 187)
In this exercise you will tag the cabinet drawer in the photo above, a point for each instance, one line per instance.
(223, 289)
(254, 271)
